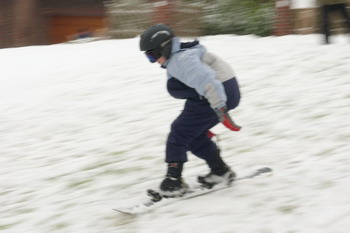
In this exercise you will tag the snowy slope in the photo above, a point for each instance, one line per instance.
(83, 127)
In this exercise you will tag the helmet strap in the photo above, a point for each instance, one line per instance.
(166, 50)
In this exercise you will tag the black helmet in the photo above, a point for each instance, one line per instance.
(157, 38)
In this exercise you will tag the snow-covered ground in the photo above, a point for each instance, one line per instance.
(83, 128)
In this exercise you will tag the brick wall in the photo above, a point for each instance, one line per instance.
(283, 19)
(164, 11)
(131, 18)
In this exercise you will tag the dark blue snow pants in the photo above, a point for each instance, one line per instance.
(189, 130)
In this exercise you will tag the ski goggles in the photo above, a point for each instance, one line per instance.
(153, 55)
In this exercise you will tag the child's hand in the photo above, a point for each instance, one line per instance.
(225, 119)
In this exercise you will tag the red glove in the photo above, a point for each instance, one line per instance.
(225, 119)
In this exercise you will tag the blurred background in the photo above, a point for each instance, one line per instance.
(42, 22)
(83, 125)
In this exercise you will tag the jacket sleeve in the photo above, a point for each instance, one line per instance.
(189, 69)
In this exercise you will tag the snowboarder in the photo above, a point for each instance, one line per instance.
(329, 6)
(210, 88)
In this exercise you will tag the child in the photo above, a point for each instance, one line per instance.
(210, 88)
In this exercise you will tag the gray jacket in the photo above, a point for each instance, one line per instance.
(201, 70)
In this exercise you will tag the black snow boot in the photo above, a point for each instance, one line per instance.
(219, 172)
(173, 185)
